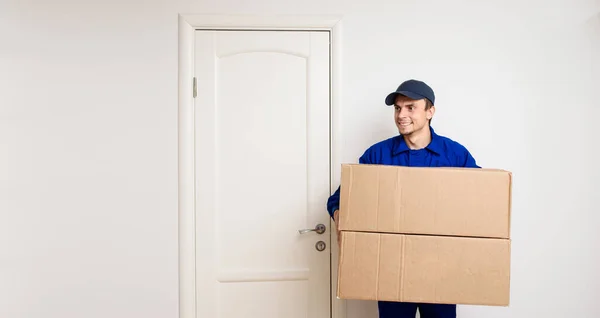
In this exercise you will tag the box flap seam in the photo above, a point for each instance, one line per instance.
(402, 268)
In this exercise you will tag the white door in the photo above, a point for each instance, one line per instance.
(262, 174)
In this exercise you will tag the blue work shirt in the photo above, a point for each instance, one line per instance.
(440, 152)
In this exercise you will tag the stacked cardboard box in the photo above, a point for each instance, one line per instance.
(429, 235)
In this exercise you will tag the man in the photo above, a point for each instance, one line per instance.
(416, 145)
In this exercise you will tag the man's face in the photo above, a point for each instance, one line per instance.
(410, 115)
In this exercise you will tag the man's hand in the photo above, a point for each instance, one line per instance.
(336, 218)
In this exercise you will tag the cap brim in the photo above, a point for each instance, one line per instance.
(391, 98)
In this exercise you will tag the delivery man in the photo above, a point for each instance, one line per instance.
(417, 145)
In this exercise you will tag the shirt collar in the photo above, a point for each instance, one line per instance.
(435, 146)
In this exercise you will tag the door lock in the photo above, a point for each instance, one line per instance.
(320, 246)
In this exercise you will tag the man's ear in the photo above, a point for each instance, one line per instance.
(430, 112)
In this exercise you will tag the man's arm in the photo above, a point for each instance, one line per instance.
(333, 203)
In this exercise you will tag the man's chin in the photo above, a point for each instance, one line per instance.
(405, 130)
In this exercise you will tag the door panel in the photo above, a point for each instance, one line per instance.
(262, 173)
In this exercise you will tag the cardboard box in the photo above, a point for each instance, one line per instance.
(429, 235)
(426, 269)
(437, 201)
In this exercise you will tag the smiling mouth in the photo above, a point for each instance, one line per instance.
(404, 124)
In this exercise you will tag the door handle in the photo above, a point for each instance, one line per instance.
(320, 229)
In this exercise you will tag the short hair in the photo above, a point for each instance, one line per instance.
(428, 104)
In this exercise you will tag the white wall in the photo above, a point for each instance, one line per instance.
(88, 139)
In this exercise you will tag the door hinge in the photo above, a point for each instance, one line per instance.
(195, 88)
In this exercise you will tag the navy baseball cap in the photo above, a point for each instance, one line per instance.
(412, 89)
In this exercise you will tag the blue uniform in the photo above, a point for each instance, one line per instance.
(441, 152)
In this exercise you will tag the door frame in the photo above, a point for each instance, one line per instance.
(188, 23)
